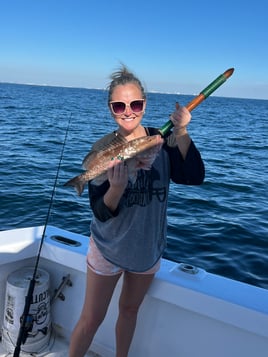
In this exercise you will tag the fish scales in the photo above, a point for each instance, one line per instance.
(138, 154)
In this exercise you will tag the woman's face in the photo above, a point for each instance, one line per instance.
(128, 116)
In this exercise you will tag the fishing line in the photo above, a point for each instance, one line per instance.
(26, 320)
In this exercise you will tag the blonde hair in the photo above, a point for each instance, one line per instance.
(121, 77)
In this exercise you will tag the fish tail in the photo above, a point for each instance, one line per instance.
(77, 183)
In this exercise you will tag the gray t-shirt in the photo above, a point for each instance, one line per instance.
(135, 238)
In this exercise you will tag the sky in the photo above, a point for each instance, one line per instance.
(173, 46)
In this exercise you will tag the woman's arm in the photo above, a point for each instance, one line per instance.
(105, 198)
(189, 170)
(187, 166)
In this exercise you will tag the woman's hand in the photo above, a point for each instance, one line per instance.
(118, 178)
(118, 174)
(181, 117)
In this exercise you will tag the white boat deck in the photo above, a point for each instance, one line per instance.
(183, 314)
(58, 348)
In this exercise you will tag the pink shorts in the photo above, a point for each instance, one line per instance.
(101, 266)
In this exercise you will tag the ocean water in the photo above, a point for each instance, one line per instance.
(220, 226)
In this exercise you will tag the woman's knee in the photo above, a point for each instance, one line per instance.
(90, 324)
(128, 310)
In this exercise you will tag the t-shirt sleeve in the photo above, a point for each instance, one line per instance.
(99, 208)
(188, 171)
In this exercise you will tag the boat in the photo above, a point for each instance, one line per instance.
(187, 312)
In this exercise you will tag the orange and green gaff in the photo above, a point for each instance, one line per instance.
(201, 96)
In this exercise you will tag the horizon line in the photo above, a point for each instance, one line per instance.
(152, 91)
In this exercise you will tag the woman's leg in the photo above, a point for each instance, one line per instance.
(134, 289)
(99, 292)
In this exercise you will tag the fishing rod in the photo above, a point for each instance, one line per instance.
(26, 319)
(200, 97)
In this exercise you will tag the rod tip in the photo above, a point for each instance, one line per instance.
(229, 72)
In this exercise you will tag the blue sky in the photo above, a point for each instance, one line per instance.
(172, 45)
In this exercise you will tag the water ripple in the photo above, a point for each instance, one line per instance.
(220, 226)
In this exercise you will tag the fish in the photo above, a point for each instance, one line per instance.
(139, 153)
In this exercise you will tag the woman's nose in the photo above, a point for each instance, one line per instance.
(128, 110)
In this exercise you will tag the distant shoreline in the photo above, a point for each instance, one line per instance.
(104, 90)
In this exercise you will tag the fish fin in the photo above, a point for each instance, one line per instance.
(145, 163)
(77, 183)
(146, 159)
(99, 179)
(115, 141)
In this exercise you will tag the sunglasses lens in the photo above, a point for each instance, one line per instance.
(136, 106)
(118, 107)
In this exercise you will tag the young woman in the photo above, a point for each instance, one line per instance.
(128, 229)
